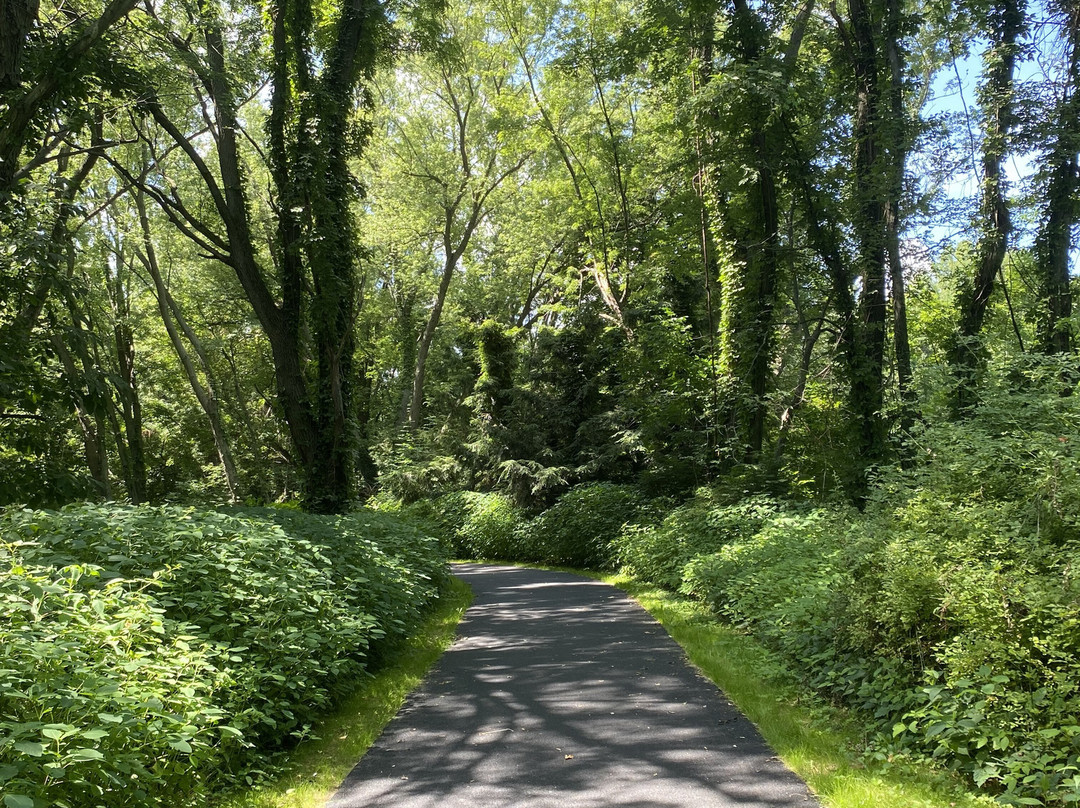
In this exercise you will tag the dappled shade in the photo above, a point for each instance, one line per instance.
(562, 691)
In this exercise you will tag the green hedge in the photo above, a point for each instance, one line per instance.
(578, 530)
(150, 655)
(657, 552)
(954, 630)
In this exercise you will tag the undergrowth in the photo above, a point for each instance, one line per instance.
(150, 655)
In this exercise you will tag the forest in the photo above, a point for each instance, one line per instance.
(766, 302)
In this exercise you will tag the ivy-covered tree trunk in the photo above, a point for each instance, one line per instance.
(748, 277)
(1062, 208)
(897, 144)
(492, 397)
(1006, 23)
(314, 95)
(331, 252)
(871, 175)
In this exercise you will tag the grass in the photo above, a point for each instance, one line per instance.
(316, 767)
(816, 741)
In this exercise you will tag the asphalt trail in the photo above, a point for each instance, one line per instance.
(561, 692)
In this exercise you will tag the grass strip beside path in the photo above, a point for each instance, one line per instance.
(817, 743)
(316, 767)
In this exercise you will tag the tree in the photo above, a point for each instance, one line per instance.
(444, 167)
(317, 75)
(1061, 208)
(58, 62)
(1005, 23)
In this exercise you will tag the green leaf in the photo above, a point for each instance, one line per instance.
(86, 754)
(18, 801)
(31, 748)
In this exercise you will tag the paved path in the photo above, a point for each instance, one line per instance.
(563, 693)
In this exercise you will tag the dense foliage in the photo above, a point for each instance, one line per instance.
(768, 302)
(517, 246)
(150, 654)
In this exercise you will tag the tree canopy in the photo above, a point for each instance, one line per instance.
(318, 249)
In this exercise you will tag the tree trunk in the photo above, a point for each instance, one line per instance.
(309, 144)
(897, 141)
(232, 204)
(1055, 239)
(91, 421)
(871, 170)
(416, 405)
(798, 395)
(1006, 23)
(748, 282)
(16, 19)
(127, 386)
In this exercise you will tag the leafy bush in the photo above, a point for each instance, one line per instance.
(151, 650)
(578, 530)
(658, 552)
(951, 624)
(102, 701)
(475, 525)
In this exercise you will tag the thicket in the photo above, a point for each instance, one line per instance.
(150, 655)
(947, 611)
(577, 531)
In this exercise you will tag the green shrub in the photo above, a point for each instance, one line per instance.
(578, 530)
(952, 624)
(948, 611)
(658, 552)
(476, 525)
(989, 613)
(153, 653)
(102, 700)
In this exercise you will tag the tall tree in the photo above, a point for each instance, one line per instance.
(1005, 22)
(1061, 208)
(445, 165)
(319, 67)
(749, 221)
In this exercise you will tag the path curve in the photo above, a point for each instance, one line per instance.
(561, 692)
